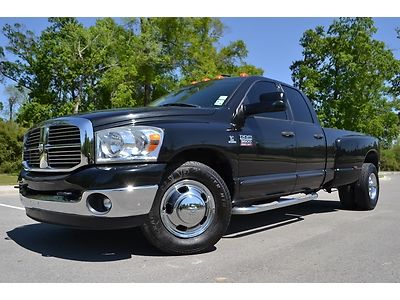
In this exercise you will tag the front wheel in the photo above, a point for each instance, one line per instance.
(191, 210)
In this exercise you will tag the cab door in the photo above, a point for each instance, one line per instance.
(267, 160)
(310, 143)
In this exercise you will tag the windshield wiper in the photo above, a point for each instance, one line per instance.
(180, 104)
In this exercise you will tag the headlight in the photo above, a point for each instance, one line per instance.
(128, 143)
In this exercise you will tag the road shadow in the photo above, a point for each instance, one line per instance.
(114, 245)
(242, 225)
(82, 245)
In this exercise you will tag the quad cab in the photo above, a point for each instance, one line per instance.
(182, 166)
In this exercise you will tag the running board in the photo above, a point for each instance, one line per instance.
(282, 202)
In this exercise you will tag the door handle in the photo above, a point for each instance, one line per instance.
(318, 136)
(287, 133)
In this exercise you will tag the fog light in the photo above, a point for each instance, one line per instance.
(99, 204)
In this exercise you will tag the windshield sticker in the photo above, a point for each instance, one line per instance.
(220, 100)
(246, 140)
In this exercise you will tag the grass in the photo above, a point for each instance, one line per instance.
(6, 179)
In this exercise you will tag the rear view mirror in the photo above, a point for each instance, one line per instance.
(269, 102)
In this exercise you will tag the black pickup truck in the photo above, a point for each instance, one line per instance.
(182, 166)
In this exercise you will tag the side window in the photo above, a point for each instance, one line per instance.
(259, 88)
(299, 107)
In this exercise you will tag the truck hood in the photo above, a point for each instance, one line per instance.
(116, 116)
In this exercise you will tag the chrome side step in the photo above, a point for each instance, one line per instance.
(282, 202)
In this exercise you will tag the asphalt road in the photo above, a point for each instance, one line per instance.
(311, 242)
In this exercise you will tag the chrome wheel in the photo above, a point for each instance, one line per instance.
(372, 186)
(187, 208)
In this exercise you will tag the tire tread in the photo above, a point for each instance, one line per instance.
(155, 231)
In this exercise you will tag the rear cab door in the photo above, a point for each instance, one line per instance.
(310, 142)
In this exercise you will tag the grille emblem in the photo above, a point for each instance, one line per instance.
(42, 156)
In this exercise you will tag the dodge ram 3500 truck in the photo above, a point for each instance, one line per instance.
(182, 166)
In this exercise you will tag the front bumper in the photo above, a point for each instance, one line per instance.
(66, 199)
(126, 202)
(129, 207)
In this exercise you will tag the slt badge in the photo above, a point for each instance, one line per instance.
(232, 139)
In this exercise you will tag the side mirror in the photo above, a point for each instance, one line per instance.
(269, 102)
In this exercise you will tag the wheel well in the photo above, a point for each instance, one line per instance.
(212, 158)
(372, 157)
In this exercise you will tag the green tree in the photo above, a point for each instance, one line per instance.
(15, 96)
(63, 68)
(70, 68)
(1, 59)
(202, 59)
(77, 58)
(1, 110)
(11, 136)
(346, 74)
(395, 83)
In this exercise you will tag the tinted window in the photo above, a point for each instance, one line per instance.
(213, 93)
(299, 107)
(262, 87)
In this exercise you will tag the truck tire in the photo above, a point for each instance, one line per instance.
(367, 187)
(364, 193)
(191, 210)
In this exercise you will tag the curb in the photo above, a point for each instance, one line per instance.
(385, 175)
(8, 189)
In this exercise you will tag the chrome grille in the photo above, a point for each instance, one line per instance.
(64, 149)
(31, 148)
(57, 145)
(64, 134)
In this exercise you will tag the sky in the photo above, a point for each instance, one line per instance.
(273, 43)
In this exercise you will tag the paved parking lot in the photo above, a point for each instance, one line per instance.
(311, 242)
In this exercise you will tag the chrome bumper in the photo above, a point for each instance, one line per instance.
(126, 202)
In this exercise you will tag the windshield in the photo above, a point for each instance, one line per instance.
(213, 93)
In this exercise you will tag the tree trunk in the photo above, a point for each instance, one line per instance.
(147, 94)
(76, 106)
(11, 112)
(79, 96)
(11, 103)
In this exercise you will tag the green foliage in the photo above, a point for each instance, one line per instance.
(204, 60)
(395, 82)
(33, 112)
(1, 66)
(69, 68)
(11, 137)
(346, 74)
(390, 159)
